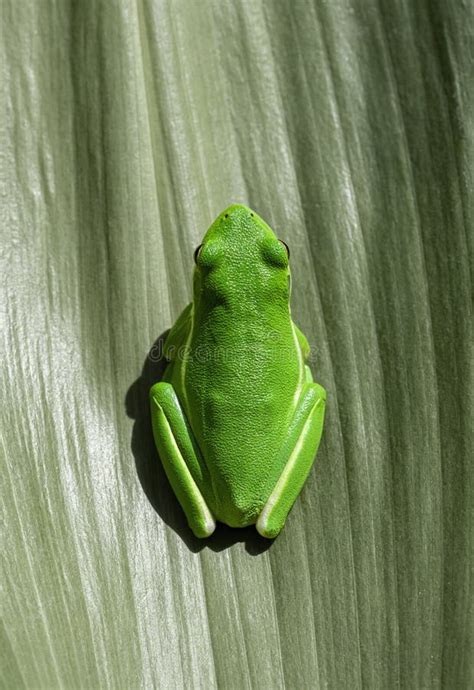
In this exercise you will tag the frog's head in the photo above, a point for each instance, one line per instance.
(241, 262)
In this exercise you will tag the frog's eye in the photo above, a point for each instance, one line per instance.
(286, 247)
(196, 253)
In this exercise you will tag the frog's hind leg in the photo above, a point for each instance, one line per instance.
(180, 456)
(299, 450)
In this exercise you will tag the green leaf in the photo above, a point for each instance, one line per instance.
(126, 128)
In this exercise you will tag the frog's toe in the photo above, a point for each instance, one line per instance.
(265, 529)
(203, 528)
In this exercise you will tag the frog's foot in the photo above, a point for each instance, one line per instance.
(299, 450)
(181, 457)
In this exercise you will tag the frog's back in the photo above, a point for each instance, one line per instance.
(241, 385)
(242, 368)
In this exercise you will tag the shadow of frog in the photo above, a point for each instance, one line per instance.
(152, 476)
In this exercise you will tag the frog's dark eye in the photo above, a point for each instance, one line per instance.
(196, 253)
(286, 247)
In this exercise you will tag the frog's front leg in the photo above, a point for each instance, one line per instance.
(180, 456)
(299, 450)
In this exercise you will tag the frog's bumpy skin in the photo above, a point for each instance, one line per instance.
(237, 419)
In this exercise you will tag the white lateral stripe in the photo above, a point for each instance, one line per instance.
(281, 483)
(300, 365)
(197, 496)
(186, 350)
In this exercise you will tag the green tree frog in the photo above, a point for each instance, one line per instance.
(237, 418)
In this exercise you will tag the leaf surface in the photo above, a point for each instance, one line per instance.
(126, 128)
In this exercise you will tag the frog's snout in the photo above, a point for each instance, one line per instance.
(237, 211)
